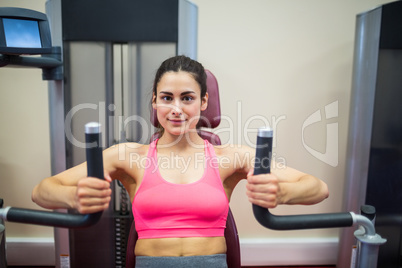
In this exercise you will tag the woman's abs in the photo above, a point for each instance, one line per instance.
(176, 247)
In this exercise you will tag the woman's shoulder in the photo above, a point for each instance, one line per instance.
(130, 146)
(233, 149)
(237, 156)
(234, 158)
(126, 151)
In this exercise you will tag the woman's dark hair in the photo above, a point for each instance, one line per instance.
(184, 64)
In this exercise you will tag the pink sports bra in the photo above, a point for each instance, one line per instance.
(162, 209)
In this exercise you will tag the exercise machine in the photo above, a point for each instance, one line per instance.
(11, 60)
(368, 240)
(373, 173)
(106, 55)
(25, 32)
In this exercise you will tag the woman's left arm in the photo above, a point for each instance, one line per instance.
(284, 185)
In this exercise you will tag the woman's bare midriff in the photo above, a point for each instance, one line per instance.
(176, 247)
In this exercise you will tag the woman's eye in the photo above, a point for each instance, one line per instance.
(187, 98)
(166, 98)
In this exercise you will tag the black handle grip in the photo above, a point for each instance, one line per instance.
(94, 150)
(64, 220)
(262, 163)
(293, 222)
(94, 158)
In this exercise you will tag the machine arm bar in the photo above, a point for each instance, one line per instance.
(26, 61)
(296, 222)
(48, 218)
(262, 165)
(51, 65)
(64, 220)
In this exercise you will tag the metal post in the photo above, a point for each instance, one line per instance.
(367, 249)
(3, 261)
(368, 243)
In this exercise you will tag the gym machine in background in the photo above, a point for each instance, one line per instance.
(23, 33)
(100, 61)
(100, 67)
(110, 52)
(374, 156)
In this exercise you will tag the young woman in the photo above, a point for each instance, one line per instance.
(180, 185)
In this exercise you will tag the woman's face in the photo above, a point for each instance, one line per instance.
(178, 102)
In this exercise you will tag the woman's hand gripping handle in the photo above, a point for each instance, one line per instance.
(64, 220)
(262, 165)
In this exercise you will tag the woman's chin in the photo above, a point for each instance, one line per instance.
(181, 131)
(177, 131)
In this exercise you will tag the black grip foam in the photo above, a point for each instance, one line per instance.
(94, 155)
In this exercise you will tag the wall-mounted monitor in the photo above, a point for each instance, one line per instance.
(24, 31)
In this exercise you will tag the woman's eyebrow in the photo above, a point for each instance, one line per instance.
(183, 93)
(166, 92)
(187, 92)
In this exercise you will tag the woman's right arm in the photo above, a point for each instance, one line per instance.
(72, 189)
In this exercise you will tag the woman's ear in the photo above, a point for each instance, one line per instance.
(204, 102)
(153, 101)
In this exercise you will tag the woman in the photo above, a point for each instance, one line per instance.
(179, 185)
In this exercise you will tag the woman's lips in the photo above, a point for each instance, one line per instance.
(177, 121)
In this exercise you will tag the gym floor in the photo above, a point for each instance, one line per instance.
(242, 267)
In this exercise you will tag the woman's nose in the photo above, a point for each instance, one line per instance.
(176, 109)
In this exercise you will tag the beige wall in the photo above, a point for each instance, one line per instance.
(281, 60)
(285, 60)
